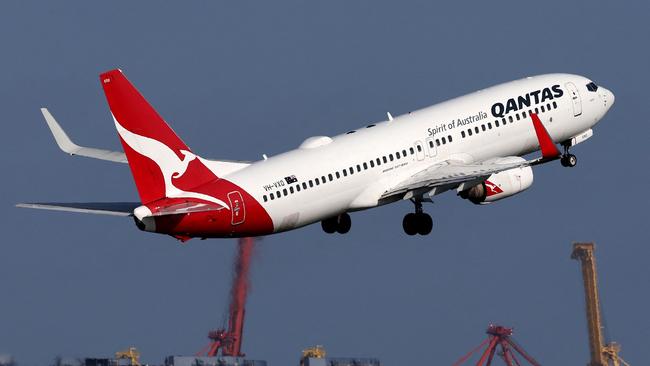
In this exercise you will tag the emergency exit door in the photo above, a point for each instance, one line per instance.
(237, 208)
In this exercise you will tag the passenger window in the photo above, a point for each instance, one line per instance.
(496, 123)
(548, 107)
(265, 198)
(358, 168)
(536, 110)
(523, 114)
(449, 137)
(338, 175)
(365, 166)
(404, 153)
(412, 151)
(503, 121)
(284, 192)
(352, 170)
(291, 189)
(419, 148)
(304, 185)
(437, 142)
(462, 134)
(317, 181)
(390, 156)
(311, 183)
(430, 143)
(372, 163)
(397, 155)
(517, 115)
(510, 119)
(476, 129)
(330, 177)
(384, 159)
(345, 173)
(542, 108)
(489, 125)
(272, 197)
(298, 187)
(323, 179)
(469, 132)
(279, 194)
(554, 105)
(378, 161)
(444, 141)
(483, 127)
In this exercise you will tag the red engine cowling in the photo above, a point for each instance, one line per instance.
(500, 185)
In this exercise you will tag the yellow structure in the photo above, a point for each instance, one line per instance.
(313, 352)
(130, 354)
(601, 354)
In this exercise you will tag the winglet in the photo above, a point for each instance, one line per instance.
(549, 150)
(60, 136)
(69, 147)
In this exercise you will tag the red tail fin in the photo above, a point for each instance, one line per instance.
(161, 164)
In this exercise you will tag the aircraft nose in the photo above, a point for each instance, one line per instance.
(608, 98)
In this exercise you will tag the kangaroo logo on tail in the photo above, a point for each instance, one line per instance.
(170, 165)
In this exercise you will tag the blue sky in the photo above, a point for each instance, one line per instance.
(239, 80)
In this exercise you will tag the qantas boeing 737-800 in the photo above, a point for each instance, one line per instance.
(471, 144)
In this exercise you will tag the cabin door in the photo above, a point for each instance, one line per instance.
(575, 97)
(237, 208)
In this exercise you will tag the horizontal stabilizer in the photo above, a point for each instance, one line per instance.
(71, 148)
(100, 208)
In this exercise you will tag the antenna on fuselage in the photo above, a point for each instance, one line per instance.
(390, 116)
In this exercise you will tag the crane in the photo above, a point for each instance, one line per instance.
(130, 354)
(229, 340)
(499, 337)
(601, 354)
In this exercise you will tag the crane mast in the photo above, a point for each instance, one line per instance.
(601, 353)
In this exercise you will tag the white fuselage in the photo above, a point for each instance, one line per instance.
(355, 186)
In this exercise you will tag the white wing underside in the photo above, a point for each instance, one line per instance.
(68, 146)
(450, 174)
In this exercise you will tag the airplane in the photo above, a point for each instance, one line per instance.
(472, 145)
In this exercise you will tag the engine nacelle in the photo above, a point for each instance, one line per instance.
(500, 185)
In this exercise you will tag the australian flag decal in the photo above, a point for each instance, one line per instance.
(291, 179)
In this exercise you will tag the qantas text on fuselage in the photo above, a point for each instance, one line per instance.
(471, 145)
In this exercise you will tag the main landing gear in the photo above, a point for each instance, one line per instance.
(567, 159)
(340, 224)
(418, 222)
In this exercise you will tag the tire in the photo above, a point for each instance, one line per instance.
(329, 225)
(409, 223)
(424, 224)
(344, 223)
(571, 160)
(563, 161)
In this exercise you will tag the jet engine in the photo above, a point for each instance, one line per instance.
(500, 185)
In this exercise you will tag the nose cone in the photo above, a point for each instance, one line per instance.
(608, 98)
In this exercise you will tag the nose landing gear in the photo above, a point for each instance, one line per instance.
(567, 159)
(418, 222)
(340, 224)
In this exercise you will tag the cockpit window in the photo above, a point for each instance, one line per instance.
(592, 87)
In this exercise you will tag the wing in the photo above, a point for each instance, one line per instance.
(101, 208)
(450, 174)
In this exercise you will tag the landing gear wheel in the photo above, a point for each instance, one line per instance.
(569, 160)
(424, 223)
(344, 223)
(329, 225)
(409, 223)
